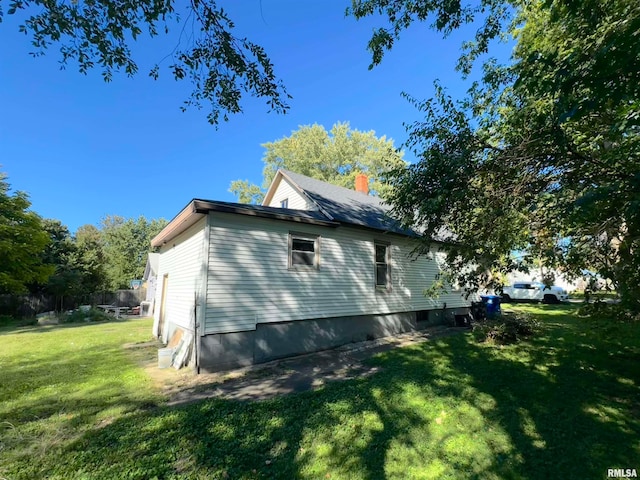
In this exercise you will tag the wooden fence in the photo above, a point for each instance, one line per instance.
(30, 305)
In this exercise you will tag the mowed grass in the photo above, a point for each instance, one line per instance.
(60, 383)
(563, 405)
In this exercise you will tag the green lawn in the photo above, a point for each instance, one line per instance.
(597, 295)
(75, 405)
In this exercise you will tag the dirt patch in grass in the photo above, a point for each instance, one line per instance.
(285, 376)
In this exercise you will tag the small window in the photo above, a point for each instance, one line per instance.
(284, 203)
(304, 251)
(383, 273)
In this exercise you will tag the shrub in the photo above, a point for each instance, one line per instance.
(91, 315)
(27, 322)
(505, 329)
(10, 321)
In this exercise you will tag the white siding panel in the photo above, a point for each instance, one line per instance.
(182, 260)
(249, 281)
(285, 190)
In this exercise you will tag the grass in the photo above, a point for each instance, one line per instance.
(601, 295)
(60, 383)
(75, 405)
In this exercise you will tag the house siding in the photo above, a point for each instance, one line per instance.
(296, 201)
(249, 282)
(182, 259)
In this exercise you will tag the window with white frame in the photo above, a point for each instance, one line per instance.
(383, 265)
(304, 250)
(284, 203)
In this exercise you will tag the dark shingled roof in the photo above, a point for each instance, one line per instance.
(348, 206)
(336, 206)
(303, 216)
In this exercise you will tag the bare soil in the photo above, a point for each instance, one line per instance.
(279, 377)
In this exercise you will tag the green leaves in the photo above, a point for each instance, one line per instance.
(221, 67)
(22, 242)
(334, 156)
(542, 156)
(246, 192)
(41, 255)
(445, 16)
(126, 243)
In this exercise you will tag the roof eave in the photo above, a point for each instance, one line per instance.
(183, 220)
(272, 188)
(197, 208)
(204, 206)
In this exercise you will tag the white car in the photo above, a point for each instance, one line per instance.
(534, 292)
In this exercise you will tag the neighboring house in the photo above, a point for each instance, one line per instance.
(150, 279)
(314, 267)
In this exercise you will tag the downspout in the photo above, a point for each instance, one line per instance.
(196, 345)
(196, 338)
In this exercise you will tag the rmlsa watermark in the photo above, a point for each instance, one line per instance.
(622, 473)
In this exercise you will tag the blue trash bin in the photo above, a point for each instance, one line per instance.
(492, 304)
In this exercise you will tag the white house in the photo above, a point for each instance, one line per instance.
(314, 267)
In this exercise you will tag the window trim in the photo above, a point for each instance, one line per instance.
(316, 250)
(389, 281)
(284, 203)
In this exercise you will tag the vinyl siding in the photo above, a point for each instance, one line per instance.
(295, 200)
(182, 259)
(249, 281)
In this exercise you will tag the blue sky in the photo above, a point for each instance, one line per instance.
(83, 149)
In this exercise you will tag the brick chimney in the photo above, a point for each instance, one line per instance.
(362, 183)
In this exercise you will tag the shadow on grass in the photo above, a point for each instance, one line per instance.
(561, 406)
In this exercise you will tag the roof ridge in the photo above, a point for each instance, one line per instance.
(346, 205)
(287, 174)
(332, 185)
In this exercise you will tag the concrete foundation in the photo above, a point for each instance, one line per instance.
(271, 341)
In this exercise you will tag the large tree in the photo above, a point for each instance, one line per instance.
(220, 66)
(78, 264)
(543, 156)
(90, 258)
(126, 243)
(66, 280)
(334, 156)
(22, 242)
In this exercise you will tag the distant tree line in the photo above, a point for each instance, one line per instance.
(41, 256)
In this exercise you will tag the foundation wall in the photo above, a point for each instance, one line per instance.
(270, 341)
